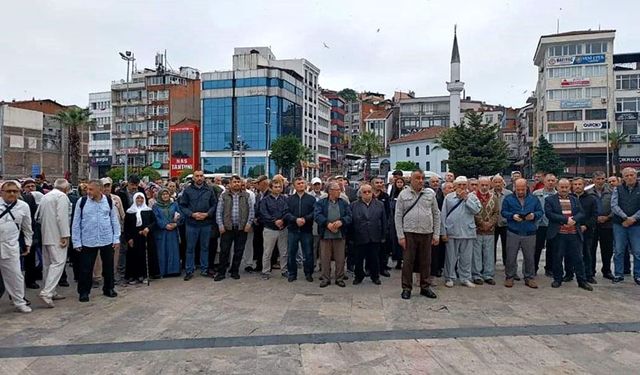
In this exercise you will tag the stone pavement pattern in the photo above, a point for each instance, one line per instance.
(249, 307)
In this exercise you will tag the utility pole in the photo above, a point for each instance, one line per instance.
(129, 58)
(267, 124)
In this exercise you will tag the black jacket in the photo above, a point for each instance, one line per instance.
(130, 228)
(198, 199)
(553, 210)
(369, 222)
(300, 207)
(589, 203)
(386, 202)
(272, 209)
(124, 197)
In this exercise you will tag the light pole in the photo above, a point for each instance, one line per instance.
(267, 124)
(240, 155)
(129, 58)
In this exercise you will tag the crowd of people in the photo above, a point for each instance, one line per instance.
(136, 232)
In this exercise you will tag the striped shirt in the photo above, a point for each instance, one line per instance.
(566, 211)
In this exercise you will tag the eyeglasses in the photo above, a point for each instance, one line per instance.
(11, 191)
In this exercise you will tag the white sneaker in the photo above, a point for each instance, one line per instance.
(23, 309)
(468, 284)
(48, 301)
(448, 284)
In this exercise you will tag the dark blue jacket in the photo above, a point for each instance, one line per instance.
(320, 215)
(511, 206)
(553, 210)
(272, 209)
(369, 222)
(199, 199)
(300, 207)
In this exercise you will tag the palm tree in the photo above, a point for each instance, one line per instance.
(369, 145)
(306, 156)
(616, 140)
(73, 118)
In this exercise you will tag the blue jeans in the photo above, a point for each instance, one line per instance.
(194, 233)
(306, 243)
(621, 238)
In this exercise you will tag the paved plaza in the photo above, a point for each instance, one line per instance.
(251, 326)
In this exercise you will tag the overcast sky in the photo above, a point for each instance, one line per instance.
(65, 49)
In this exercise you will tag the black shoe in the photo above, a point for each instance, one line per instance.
(516, 278)
(324, 283)
(219, 277)
(63, 283)
(617, 279)
(204, 274)
(291, 279)
(385, 273)
(399, 265)
(248, 269)
(340, 283)
(235, 276)
(585, 286)
(357, 281)
(637, 280)
(567, 278)
(110, 293)
(428, 293)
(257, 269)
(438, 273)
(33, 285)
(592, 280)
(345, 277)
(376, 281)
(608, 276)
(309, 278)
(188, 276)
(627, 272)
(84, 298)
(406, 294)
(556, 284)
(490, 281)
(478, 282)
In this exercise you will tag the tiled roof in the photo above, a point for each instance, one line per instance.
(428, 133)
(378, 115)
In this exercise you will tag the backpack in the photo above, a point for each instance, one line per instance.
(83, 202)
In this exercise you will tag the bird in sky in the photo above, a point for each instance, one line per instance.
(325, 45)
(378, 30)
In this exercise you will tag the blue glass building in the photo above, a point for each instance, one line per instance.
(236, 107)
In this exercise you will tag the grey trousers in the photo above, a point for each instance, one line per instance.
(528, 246)
(458, 251)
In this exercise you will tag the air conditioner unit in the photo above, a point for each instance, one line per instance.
(603, 100)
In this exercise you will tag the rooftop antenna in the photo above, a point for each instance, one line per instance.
(558, 23)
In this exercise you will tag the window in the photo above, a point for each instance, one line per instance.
(418, 164)
(566, 50)
(101, 136)
(426, 150)
(564, 94)
(627, 82)
(407, 152)
(427, 166)
(627, 104)
(595, 114)
(564, 115)
(565, 72)
(629, 127)
(488, 119)
(596, 47)
(595, 92)
(417, 151)
(443, 166)
(595, 71)
(218, 84)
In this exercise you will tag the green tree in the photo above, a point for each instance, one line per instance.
(286, 152)
(150, 172)
(74, 118)
(546, 159)
(256, 171)
(475, 148)
(116, 174)
(406, 165)
(184, 173)
(616, 140)
(349, 95)
(369, 145)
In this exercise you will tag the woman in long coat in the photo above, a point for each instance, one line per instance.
(139, 223)
(167, 239)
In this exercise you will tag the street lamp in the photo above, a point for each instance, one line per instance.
(267, 167)
(129, 58)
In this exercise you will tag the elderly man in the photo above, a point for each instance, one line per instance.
(53, 215)
(497, 182)
(262, 189)
(589, 204)
(603, 233)
(565, 215)
(473, 185)
(438, 252)
(299, 217)
(107, 183)
(458, 230)
(625, 204)
(385, 249)
(515, 175)
(333, 216)
(15, 218)
(483, 269)
(96, 229)
(369, 230)
(417, 221)
(549, 189)
(521, 210)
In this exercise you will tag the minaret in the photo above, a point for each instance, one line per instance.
(455, 86)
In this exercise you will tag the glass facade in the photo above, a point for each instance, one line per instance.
(216, 165)
(182, 145)
(252, 82)
(216, 124)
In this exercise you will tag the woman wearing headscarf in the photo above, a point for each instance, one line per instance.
(139, 221)
(396, 254)
(167, 239)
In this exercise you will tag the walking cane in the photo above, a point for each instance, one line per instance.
(146, 259)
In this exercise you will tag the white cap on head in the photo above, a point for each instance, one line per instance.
(316, 180)
(460, 180)
(106, 180)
